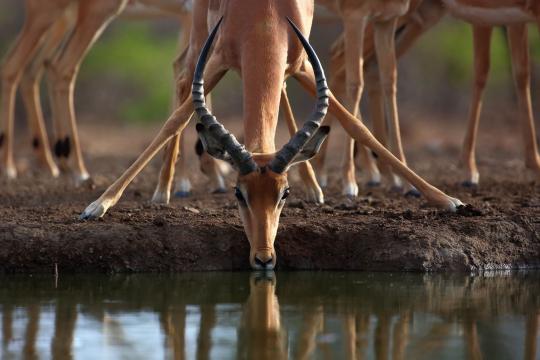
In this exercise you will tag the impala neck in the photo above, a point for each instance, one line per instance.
(263, 68)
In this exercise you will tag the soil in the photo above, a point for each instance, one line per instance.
(379, 230)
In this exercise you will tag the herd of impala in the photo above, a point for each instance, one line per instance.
(265, 48)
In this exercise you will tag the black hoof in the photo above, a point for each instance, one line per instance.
(373, 184)
(182, 194)
(414, 193)
(219, 191)
(469, 184)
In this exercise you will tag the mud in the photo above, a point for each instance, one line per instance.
(380, 230)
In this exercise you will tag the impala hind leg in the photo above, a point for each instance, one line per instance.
(354, 34)
(386, 56)
(357, 130)
(38, 20)
(173, 126)
(312, 188)
(64, 69)
(519, 48)
(482, 46)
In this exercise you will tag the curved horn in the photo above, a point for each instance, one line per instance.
(237, 152)
(284, 157)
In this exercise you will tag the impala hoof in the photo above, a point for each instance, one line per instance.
(182, 194)
(453, 204)
(94, 211)
(315, 196)
(161, 197)
(414, 193)
(82, 179)
(350, 190)
(219, 191)
(10, 173)
(373, 184)
(469, 184)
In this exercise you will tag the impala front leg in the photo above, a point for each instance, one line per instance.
(482, 46)
(174, 126)
(519, 49)
(354, 34)
(360, 133)
(386, 56)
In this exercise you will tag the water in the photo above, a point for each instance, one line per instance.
(271, 316)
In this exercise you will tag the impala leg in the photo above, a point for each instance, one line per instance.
(313, 190)
(337, 83)
(173, 126)
(37, 22)
(482, 45)
(312, 324)
(519, 48)
(354, 29)
(349, 329)
(30, 92)
(93, 17)
(357, 130)
(427, 15)
(385, 49)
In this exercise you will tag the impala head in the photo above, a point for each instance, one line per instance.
(262, 186)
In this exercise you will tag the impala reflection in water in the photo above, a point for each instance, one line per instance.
(271, 316)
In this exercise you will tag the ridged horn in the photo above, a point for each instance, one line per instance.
(286, 155)
(236, 151)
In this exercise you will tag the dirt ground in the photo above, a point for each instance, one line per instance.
(380, 230)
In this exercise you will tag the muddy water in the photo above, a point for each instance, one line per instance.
(271, 316)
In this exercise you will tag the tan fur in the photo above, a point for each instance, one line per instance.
(55, 38)
(247, 44)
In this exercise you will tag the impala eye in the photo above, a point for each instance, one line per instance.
(286, 194)
(239, 195)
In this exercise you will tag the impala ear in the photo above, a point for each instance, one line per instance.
(213, 147)
(312, 147)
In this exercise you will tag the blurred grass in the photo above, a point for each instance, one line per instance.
(141, 59)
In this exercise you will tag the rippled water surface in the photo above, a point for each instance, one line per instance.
(271, 316)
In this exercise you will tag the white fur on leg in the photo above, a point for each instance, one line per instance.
(161, 197)
(350, 189)
(183, 187)
(220, 184)
(314, 195)
(11, 173)
(81, 178)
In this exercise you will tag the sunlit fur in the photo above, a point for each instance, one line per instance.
(263, 192)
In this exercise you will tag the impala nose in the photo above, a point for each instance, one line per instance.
(264, 262)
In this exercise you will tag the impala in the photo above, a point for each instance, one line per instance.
(514, 15)
(356, 16)
(483, 15)
(264, 48)
(55, 38)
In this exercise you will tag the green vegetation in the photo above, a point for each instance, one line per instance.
(140, 59)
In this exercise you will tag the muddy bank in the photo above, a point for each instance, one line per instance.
(39, 224)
